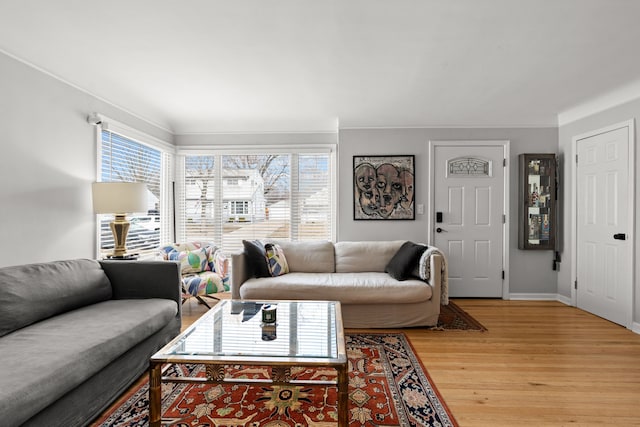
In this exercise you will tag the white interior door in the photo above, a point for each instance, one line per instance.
(604, 268)
(469, 204)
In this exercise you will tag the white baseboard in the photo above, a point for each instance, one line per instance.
(564, 300)
(635, 326)
(534, 297)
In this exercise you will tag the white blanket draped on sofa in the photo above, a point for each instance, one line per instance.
(425, 271)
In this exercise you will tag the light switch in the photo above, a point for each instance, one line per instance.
(420, 209)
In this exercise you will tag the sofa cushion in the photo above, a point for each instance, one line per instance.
(403, 263)
(256, 258)
(164, 251)
(194, 261)
(348, 288)
(33, 292)
(46, 360)
(220, 263)
(205, 283)
(314, 256)
(276, 259)
(358, 257)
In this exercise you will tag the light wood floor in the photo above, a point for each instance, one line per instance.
(539, 364)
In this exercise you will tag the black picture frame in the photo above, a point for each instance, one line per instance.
(384, 187)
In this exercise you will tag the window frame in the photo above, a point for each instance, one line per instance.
(167, 162)
(219, 151)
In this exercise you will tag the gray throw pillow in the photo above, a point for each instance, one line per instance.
(402, 264)
(256, 258)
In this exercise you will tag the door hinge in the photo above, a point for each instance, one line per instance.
(502, 274)
(504, 162)
(575, 285)
(576, 159)
(504, 218)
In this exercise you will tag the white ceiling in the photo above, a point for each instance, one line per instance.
(312, 65)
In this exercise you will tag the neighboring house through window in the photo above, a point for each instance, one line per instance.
(221, 196)
(227, 198)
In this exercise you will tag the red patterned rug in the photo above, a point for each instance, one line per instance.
(388, 386)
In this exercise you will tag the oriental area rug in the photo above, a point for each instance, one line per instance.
(453, 318)
(388, 386)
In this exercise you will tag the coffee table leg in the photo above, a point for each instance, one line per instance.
(343, 396)
(155, 395)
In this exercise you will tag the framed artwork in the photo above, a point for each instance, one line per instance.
(383, 187)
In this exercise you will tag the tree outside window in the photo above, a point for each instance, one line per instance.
(259, 197)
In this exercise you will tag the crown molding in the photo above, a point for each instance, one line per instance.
(469, 126)
(81, 89)
(614, 98)
(311, 132)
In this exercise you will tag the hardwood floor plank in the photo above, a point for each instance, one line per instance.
(540, 363)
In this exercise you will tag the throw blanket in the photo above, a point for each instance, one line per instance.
(425, 271)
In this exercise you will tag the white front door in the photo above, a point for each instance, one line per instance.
(467, 215)
(603, 271)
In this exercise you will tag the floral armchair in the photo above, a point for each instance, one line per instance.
(203, 266)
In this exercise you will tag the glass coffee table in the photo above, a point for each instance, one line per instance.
(305, 334)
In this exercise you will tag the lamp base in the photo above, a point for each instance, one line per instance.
(127, 257)
(120, 228)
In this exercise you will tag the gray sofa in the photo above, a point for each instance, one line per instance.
(75, 334)
(354, 274)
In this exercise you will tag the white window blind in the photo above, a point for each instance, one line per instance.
(228, 197)
(197, 210)
(121, 159)
(313, 213)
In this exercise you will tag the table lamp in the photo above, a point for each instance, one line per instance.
(119, 199)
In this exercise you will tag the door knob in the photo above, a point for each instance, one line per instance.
(620, 236)
(440, 230)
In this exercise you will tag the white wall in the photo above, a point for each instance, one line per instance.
(531, 271)
(47, 162)
(627, 111)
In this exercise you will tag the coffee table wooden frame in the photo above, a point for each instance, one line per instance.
(281, 370)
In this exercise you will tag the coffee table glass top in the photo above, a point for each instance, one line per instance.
(303, 329)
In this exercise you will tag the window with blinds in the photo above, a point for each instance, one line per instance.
(226, 198)
(122, 159)
(198, 189)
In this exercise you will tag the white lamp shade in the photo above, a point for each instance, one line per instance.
(119, 197)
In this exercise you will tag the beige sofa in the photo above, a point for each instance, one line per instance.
(354, 274)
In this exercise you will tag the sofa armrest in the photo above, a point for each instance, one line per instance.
(431, 268)
(435, 278)
(145, 279)
(239, 273)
